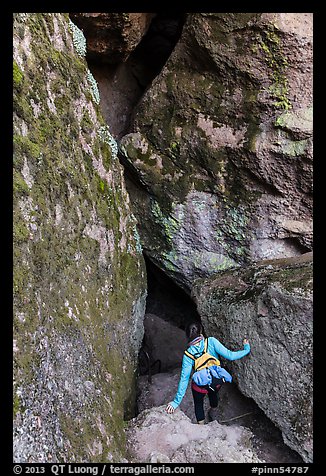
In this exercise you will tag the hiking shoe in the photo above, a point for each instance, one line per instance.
(212, 414)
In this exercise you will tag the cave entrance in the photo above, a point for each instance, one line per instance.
(122, 85)
(168, 310)
(168, 300)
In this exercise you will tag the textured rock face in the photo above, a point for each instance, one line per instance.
(112, 36)
(79, 276)
(271, 304)
(221, 145)
(156, 437)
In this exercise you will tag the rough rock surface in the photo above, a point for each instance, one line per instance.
(271, 304)
(112, 36)
(156, 437)
(79, 275)
(220, 149)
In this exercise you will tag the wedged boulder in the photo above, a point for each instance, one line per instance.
(271, 305)
(79, 276)
(161, 391)
(164, 342)
(156, 437)
(221, 145)
(111, 37)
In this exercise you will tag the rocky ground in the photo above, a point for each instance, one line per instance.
(156, 437)
(265, 439)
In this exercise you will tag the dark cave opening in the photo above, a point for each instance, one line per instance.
(123, 84)
(150, 55)
(168, 310)
(166, 299)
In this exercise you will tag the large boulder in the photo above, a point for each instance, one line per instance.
(220, 148)
(79, 276)
(164, 342)
(270, 304)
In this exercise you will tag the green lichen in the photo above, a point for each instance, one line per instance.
(169, 223)
(232, 234)
(295, 148)
(103, 187)
(18, 75)
(21, 273)
(170, 260)
(137, 238)
(280, 91)
(78, 39)
(175, 149)
(20, 187)
(298, 121)
(20, 232)
(252, 117)
(271, 46)
(93, 87)
(226, 263)
(24, 146)
(106, 137)
(86, 123)
(17, 405)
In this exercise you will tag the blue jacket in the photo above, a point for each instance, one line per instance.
(216, 349)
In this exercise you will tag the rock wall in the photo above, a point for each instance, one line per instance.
(79, 274)
(219, 166)
(271, 305)
(220, 148)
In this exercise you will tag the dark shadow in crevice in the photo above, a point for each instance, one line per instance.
(167, 300)
(295, 242)
(151, 54)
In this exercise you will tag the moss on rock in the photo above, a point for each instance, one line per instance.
(79, 276)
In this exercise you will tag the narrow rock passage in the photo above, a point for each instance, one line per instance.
(121, 86)
(263, 440)
(123, 83)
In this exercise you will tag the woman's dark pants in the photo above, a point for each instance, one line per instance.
(199, 401)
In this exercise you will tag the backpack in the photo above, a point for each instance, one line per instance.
(208, 370)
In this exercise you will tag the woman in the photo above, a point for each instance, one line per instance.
(194, 333)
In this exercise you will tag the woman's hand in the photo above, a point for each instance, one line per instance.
(245, 341)
(169, 408)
